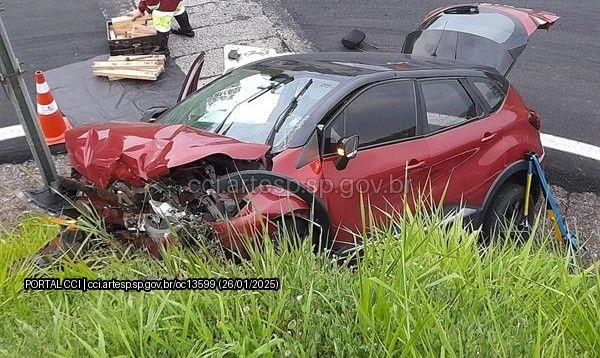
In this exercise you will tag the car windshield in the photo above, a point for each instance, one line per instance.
(246, 104)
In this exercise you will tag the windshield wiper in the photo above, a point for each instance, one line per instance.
(247, 100)
(288, 110)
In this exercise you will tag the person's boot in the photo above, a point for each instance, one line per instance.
(163, 45)
(185, 29)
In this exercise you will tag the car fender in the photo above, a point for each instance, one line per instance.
(273, 203)
(501, 179)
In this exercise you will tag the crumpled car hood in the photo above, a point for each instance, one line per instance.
(136, 152)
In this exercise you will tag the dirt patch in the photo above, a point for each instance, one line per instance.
(18, 177)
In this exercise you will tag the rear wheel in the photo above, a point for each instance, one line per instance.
(505, 218)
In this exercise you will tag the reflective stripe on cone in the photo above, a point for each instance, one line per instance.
(47, 109)
(42, 88)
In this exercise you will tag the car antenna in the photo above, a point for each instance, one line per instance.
(440, 39)
(456, 48)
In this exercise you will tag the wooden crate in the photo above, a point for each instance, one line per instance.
(143, 45)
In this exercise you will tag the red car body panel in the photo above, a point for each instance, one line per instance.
(531, 19)
(135, 152)
(481, 150)
(258, 217)
(373, 184)
(377, 178)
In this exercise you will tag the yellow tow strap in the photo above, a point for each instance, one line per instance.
(555, 227)
(527, 194)
(68, 223)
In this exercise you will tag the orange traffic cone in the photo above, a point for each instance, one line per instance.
(53, 123)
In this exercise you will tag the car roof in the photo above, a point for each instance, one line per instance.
(354, 64)
(354, 70)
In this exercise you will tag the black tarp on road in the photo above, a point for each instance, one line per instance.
(85, 98)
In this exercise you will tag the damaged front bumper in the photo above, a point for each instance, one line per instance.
(223, 210)
(148, 218)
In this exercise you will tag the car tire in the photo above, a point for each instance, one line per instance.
(507, 209)
(295, 229)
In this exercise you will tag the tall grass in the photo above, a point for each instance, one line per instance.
(423, 288)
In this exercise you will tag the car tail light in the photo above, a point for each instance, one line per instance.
(535, 119)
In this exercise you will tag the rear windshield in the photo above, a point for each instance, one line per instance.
(494, 26)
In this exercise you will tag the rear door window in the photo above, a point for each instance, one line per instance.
(383, 113)
(490, 91)
(447, 104)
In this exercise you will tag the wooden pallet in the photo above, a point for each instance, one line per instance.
(141, 67)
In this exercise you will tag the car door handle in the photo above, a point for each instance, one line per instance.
(414, 163)
(487, 136)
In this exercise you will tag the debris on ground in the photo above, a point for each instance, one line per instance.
(140, 67)
(83, 241)
(239, 55)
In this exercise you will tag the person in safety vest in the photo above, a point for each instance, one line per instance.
(163, 12)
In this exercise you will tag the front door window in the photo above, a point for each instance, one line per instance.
(373, 183)
(383, 113)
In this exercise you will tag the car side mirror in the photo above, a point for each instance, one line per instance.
(353, 39)
(347, 149)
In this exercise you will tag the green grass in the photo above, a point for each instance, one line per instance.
(418, 291)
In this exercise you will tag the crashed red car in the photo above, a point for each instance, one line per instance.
(320, 135)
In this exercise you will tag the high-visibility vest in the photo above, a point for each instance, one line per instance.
(163, 12)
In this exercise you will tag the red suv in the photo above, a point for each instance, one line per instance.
(320, 136)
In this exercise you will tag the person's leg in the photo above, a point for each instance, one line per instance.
(163, 45)
(162, 23)
(185, 29)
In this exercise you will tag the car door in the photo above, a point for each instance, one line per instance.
(190, 85)
(461, 142)
(384, 117)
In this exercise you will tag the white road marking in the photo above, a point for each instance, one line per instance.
(571, 146)
(11, 132)
(548, 140)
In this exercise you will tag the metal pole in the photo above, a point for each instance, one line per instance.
(14, 85)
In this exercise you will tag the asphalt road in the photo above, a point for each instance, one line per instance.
(557, 75)
(46, 35)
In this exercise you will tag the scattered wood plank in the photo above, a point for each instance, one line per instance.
(139, 67)
(131, 74)
(121, 23)
(126, 65)
(126, 27)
